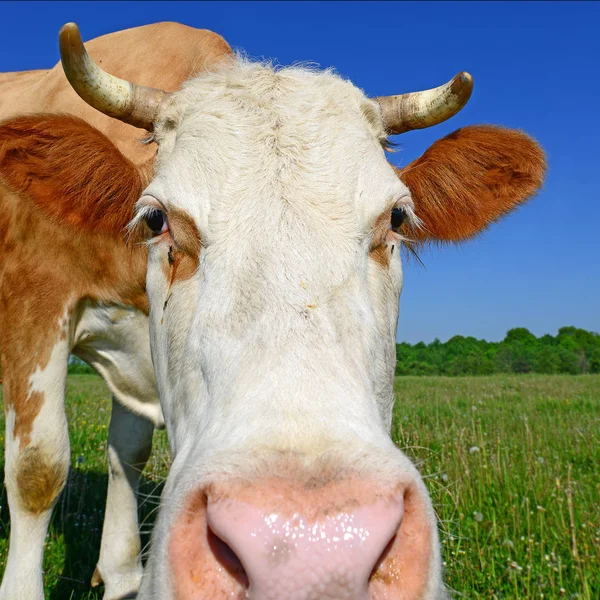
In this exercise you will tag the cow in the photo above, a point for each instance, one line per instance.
(267, 237)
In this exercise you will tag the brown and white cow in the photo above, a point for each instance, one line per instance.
(273, 225)
(69, 283)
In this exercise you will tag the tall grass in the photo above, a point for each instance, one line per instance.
(512, 464)
(513, 467)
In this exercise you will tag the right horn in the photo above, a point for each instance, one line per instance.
(134, 104)
(418, 110)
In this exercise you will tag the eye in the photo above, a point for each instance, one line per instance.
(156, 221)
(397, 219)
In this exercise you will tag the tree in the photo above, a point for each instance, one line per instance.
(573, 351)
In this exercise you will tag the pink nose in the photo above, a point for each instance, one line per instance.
(292, 556)
(278, 539)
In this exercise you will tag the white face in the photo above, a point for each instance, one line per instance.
(274, 290)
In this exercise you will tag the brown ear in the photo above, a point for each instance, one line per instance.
(70, 170)
(471, 178)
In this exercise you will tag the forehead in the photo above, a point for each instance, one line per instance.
(253, 132)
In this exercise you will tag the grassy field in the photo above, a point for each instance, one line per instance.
(512, 463)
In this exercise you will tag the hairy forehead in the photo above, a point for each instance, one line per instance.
(260, 93)
(305, 137)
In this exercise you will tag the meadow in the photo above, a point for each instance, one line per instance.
(512, 463)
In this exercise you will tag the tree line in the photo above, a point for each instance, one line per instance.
(572, 350)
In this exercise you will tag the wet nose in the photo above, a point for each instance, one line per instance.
(294, 555)
(278, 539)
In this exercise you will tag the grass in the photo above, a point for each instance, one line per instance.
(512, 464)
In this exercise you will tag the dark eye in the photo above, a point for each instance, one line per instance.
(156, 221)
(398, 217)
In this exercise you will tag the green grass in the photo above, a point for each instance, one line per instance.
(512, 464)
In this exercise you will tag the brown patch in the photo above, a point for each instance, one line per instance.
(17, 394)
(96, 578)
(184, 250)
(184, 232)
(471, 178)
(27, 411)
(381, 255)
(70, 170)
(379, 251)
(59, 237)
(39, 481)
(184, 267)
(66, 193)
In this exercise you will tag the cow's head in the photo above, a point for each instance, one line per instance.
(275, 225)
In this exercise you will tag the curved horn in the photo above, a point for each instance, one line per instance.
(134, 104)
(418, 110)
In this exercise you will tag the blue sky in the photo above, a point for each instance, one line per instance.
(535, 66)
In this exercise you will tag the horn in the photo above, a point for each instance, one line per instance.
(134, 104)
(418, 110)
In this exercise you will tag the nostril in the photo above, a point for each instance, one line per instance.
(404, 567)
(227, 558)
(377, 573)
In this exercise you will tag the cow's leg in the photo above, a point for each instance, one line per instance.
(37, 459)
(114, 340)
(129, 446)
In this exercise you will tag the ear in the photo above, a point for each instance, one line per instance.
(70, 170)
(471, 178)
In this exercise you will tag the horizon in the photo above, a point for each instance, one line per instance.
(479, 339)
(533, 269)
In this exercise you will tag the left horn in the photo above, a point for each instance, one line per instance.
(134, 104)
(418, 110)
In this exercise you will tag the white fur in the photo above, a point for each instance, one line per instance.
(284, 338)
(115, 341)
(129, 445)
(23, 574)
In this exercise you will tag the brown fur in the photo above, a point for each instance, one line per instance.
(381, 255)
(39, 480)
(97, 578)
(185, 242)
(187, 245)
(470, 178)
(71, 170)
(59, 250)
(380, 252)
(28, 409)
(185, 232)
